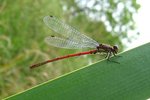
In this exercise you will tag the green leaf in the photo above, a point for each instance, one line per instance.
(129, 80)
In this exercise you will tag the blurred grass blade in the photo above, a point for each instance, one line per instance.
(129, 80)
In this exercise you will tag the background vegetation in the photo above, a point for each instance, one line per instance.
(22, 32)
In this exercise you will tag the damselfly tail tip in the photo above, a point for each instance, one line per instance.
(31, 67)
(34, 66)
(37, 65)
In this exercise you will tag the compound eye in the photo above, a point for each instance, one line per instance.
(115, 48)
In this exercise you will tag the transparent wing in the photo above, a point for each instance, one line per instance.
(64, 43)
(69, 32)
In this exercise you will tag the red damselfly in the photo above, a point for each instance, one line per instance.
(72, 39)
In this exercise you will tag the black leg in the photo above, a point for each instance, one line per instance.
(108, 59)
(107, 55)
(114, 54)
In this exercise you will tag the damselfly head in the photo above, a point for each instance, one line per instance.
(115, 48)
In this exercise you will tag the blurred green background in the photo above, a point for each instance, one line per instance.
(22, 34)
